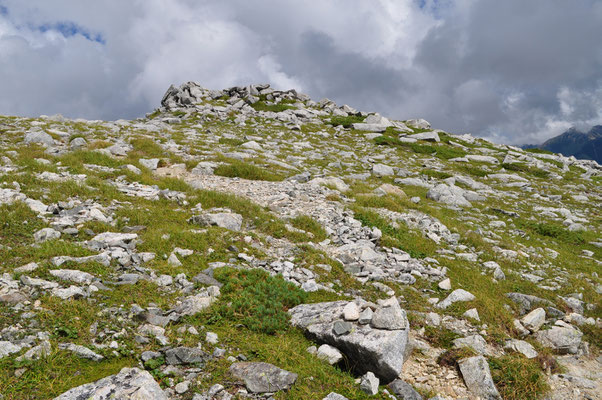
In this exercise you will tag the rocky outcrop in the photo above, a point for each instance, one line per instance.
(378, 346)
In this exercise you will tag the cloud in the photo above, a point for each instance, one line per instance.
(511, 71)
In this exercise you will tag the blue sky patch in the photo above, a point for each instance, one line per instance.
(69, 29)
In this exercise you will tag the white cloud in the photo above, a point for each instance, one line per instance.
(511, 71)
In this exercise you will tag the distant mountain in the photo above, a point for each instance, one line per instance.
(573, 142)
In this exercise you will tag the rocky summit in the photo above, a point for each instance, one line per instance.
(255, 243)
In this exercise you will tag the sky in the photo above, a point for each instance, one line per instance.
(511, 71)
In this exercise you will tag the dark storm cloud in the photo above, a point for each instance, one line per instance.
(510, 70)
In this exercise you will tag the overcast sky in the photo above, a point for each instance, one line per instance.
(513, 71)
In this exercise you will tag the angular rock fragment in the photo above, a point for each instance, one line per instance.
(403, 390)
(226, 220)
(369, 383)
(260, 377)
(477, 377)
(129, 383)
(81, 351)
(185, 355)
(454, 297)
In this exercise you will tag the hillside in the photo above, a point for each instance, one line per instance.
(586, 145)
(254, 243)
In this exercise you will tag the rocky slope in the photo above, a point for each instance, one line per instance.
(253, 243)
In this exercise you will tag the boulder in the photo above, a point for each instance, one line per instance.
(526, 301)
(45, 234)
(335, 396)
(477, 377)
(562, 337)
(369, 383)
(382, 170)
(72, 275)
(389, 316)
(403, 390)
(475, 342)
(328, 353)
(39, 137)
(226, 220)
(418, 123)
(260, 377)
(534, 320)
(448, 194)
(129, 383)
(8, 348)
(455, 296)
(428, 136)
(351, 312)
(81, 351)
(520, 346)
(185, 355)
(366, 348)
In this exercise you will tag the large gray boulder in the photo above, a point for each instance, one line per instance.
(365, 347)
(39, 137)
(477, 377)
(129, 383)
(260, 377)
(562, 337)
(429, 136)
(448, 194)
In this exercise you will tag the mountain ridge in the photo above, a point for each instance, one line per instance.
(573, 142)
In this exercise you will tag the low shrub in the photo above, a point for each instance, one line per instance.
(256, 300)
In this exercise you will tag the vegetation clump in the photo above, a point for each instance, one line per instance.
(346, 122)
(256, 300)
(241, 169)
(516, 377)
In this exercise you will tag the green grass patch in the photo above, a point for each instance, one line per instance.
(308, 224)
(18, 223)
(231, 141)
(553, 230)
(55, 374)
(440, 337)
(244, 170)
(255, 299)
(539, 151)
(346, 122)
(436, 174)
(518, 378)
(446, 152)
(402, 238)
(263, 106)
(519, 167)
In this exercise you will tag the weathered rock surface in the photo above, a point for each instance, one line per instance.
(129, 383)
(477, 376)
(260, 377)
(367, 349)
